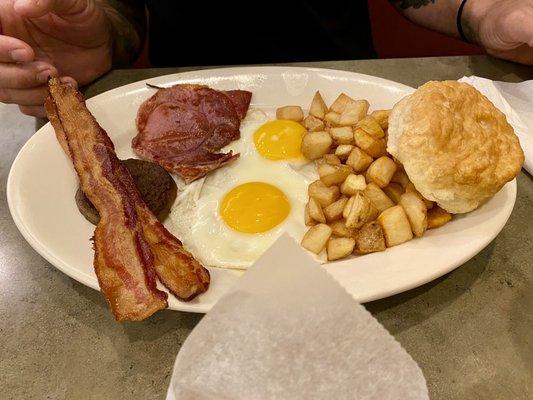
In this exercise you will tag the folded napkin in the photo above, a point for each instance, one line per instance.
(289, 331)
(515, 100)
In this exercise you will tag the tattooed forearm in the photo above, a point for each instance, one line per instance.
(128, 26)
(405, 4)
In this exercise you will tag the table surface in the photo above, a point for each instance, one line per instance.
(470, 331)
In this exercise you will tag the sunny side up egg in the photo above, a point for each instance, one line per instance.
(230, 218)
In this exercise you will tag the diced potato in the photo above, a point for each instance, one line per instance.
(429, 204)
(339, 248)
(333, 212)
(394, 191)
(307, 217)
(396, 227)
(410, 187)
(342, 135)
(382, 117)
(381, 171)
(316, 238)
(340, 103)
(343, 151)
(361, 212)
(400, 177)
(369, 238)
(293, 113)
(324, 168)
(337, 176)
(316, 144)
(313, 124)
(348, 207)
(339, 228)
(416, 211)
(359, 160)
(371, 126)
(331, 159)
(380, 200)
(353, 184)
(354, 112)
(332, 118)
(438, 217)
(315, 210)
(323, 194)
(374, 147)
(318, 108)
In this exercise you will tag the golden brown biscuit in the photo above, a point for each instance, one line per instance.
(456, 147)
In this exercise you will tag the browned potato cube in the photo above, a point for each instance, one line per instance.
(429, 204)
(382, 117)
(381, 171)
(369, 238)
(316, 238)
(316, 144)
(380, 200)
(394, 191)
(332, 118)
(315, 210)
(339, 228)
(342, 135)
(438, 217)
(307, 217)
(340, 103)
(332, 159)
(353, 184)
(400, 177)
(361, 212)
(343, 151)
(371, 126)
(333, 212)
(410, 187)
(396, 227)
(323, 194)
(318, 108)
(336, 177)
(313, 124)
(293, 113)
(339, 248)
(358, 160)
(354, 112)
(373, 147)
(416, 211)
(324, 168)
(348, 207)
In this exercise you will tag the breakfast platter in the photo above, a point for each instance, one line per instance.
(42, 186)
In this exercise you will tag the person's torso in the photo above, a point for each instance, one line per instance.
(236, 32)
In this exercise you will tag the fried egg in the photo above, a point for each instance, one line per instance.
(229, 218)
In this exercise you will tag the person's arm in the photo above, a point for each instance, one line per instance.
(504, 28)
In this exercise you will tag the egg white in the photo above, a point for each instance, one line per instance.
(195, 217)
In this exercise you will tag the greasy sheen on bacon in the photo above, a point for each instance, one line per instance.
(183, 127)
(131, 246)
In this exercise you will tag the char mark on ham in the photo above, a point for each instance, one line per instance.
(183, 127)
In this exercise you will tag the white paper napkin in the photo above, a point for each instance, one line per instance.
(289, 331)
(515, 100)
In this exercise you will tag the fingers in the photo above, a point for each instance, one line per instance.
(29, 97)
(25, 75)
(38, 8)
(15, 50)
(34, 111)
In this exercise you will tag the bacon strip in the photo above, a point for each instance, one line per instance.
(131, 246)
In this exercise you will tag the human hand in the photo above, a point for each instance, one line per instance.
(504, 28)
(41, 38)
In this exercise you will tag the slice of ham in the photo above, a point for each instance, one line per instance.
(131, 246)
(183, 127)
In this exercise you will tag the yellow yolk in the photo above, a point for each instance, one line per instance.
(279, 140)
(254, 207)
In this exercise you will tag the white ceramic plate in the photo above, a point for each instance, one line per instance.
(42, 183)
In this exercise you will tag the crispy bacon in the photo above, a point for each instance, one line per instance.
(183, 127)
(131, 246)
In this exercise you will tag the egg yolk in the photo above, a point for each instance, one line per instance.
(279, 140)
(254, 207)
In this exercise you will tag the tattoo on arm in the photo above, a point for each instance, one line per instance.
(128, 28)
(405, 4)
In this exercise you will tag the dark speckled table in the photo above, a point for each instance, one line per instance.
(470, 331)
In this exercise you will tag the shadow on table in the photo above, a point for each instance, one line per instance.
(404, 310)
